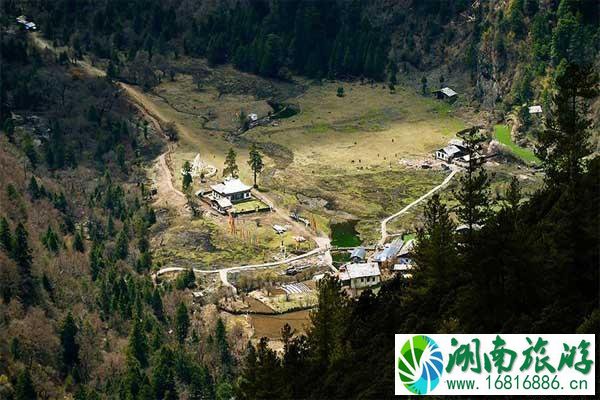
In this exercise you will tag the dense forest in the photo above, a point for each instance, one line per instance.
(504, 50)
(79, 314)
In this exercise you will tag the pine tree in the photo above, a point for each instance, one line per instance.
(473, 195)
(157, 305)
(22, 255)
(255, 162)
(5, 236)
(78, 244)
(231, 168)
(50, 240)
(223, 349)
(122, 245)
(565, 143)
(424, 85)
(24, 389)
(137, 347)
(182, 323)
(33, 188)
(69, 345)
(187, 176)
(96, 259)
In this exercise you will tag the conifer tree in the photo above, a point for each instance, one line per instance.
(255, 162)
(24, 389)
(78, 244)
(69, 345)
(137, 347)
(182, 323)
(22, 255)
(187, 176)
(5, 235)
(231, 168)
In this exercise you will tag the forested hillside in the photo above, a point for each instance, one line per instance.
(504, 50)
(79, 314)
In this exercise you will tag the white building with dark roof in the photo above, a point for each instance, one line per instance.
(360, 276)
(225, 194)
(449, 153)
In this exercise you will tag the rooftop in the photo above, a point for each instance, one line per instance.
(358, 252)
(360, 270)
(451, 150)
(448, 92)
(535, 109)
(390, 251)
(231, 186)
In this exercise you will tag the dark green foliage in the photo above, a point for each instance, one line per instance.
(231, 167)
(51, 240)
(69, 345)
(122, 245)
(5, 236)
(21, 253)
(255, 162)
(187, 176)
(186, 280)
(137, 347)
(182, 323)
(24, 389)
(78, 244)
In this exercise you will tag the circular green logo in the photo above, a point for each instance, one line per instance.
(420, 364)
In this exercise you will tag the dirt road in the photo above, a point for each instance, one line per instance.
(384, 222)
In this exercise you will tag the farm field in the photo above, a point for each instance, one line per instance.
(270, 325)
(338, 159)
(502, 133)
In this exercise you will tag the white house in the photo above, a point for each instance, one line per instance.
(359, 277)
(535, 110)
(253, 117)
(227, 193)
(448, 153)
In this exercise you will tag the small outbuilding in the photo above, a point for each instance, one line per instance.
(388, 255)
(358, 255)
(535, 110)
(449, 153)
(446, 94)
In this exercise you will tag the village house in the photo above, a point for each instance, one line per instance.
(387, 256)
(535, 110)
(446, 94)
(358, 255)
(227, 193)
(356, 278)
(449, 153)
(404, 262)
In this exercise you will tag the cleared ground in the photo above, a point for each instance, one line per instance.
(337, 159)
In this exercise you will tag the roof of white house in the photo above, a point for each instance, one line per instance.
(360, 270)
(231, 186)
(451, 150)
(535, 109)
(224, 202)
(448, 92)
(253, 116)
(457, 142)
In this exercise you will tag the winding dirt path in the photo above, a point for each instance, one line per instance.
(384, 222)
